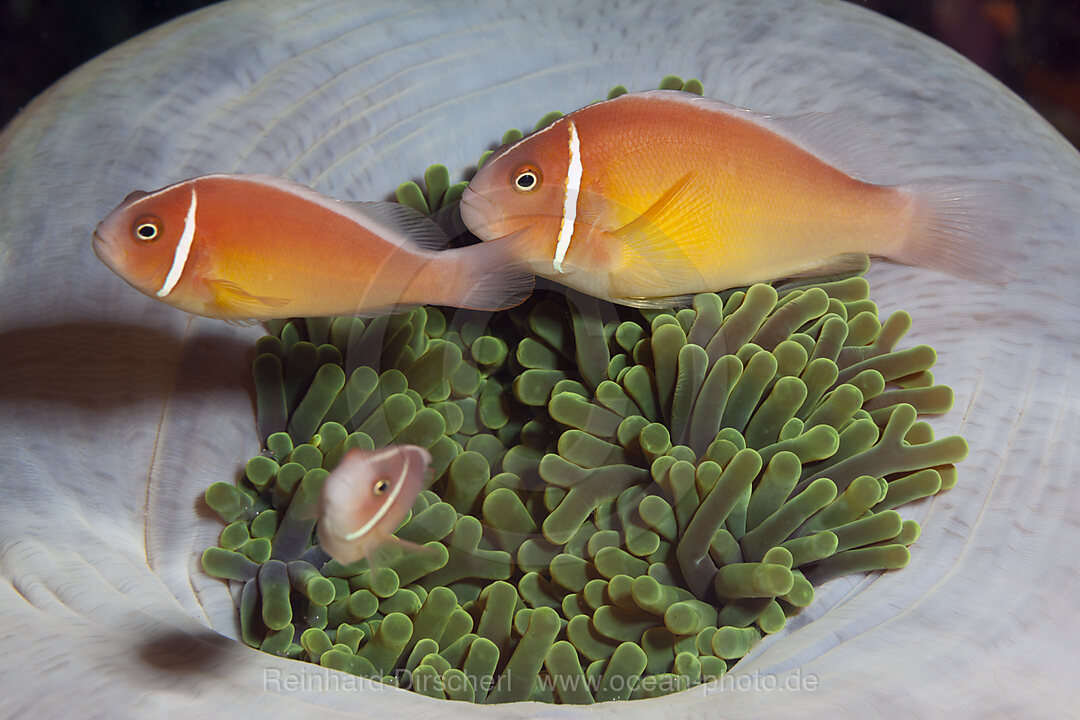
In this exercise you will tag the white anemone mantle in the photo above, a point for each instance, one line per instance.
(116, 411)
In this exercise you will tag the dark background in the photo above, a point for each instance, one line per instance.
(1033, 46)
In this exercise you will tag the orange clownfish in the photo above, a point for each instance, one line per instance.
(251, 247)
(654, 195)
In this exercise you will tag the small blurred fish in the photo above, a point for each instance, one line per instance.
(251, 247)
(365, 498)
(660, 194)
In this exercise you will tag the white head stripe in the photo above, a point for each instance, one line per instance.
(573, 186)
(183, 247)
(385, 508)
(538, 133)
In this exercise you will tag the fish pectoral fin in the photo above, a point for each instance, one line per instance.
(238, 303)
(659, 246)
(828, 268)
(655, 224)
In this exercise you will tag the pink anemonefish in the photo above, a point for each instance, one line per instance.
(365, 498)
(251, 247)
(659, 194)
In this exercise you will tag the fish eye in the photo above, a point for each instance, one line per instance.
(147, 229)
(527, 180)
(380, 487)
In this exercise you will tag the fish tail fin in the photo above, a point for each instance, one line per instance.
(974, 230)
(486, 276)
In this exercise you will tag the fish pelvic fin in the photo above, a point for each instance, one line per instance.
(659, 245)
(383, 549)
(969, 229)
(237, 305)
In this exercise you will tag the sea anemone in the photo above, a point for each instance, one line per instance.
(119, 412)
(621, 506)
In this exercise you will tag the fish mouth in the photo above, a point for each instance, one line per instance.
(479, 214)
(100, 244)
(105, 250)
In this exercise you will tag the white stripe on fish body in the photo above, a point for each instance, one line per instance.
(183, 248)
(570, 199)
(384, 508)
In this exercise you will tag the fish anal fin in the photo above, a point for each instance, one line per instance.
(373, 312)
(238, 305)
(656, 303)
(831, 267)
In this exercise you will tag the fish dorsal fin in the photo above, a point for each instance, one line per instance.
(659, 243)
(403, 221)
(396, 222)
(843, 142)
(238, 304)
(838, 139)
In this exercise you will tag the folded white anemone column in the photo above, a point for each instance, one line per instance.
(116, 412)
